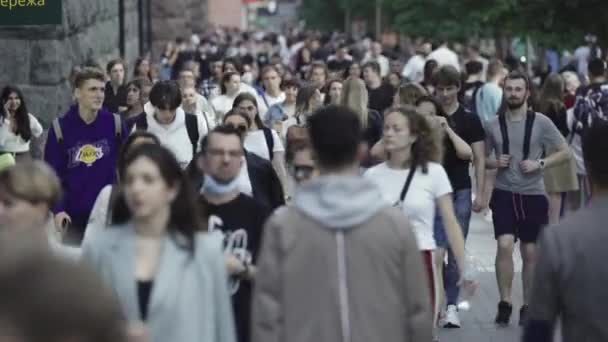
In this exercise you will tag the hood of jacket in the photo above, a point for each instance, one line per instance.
(339, 202)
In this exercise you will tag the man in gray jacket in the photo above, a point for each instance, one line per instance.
(338, 265)
(571, 276)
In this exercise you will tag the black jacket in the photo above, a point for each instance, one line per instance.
(265, 183)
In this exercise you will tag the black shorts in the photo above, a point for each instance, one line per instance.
(522, 216)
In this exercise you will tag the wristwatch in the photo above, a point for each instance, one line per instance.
(541, 163)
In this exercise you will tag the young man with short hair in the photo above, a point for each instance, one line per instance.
(375, 55)
(467, 126)
(239, 217)
(177, 130)
(381, 94)
(338, 240)
(187, 79)
(82, 147)
(115, 99)
(524, 143)
(570, 275)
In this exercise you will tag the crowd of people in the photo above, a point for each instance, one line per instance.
(264, 187)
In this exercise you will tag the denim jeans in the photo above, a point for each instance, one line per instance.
(462, 209)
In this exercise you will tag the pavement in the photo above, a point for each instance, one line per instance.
(478, 321)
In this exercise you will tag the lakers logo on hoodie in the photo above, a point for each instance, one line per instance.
(88, 153)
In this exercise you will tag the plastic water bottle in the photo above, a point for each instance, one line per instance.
(470, 283)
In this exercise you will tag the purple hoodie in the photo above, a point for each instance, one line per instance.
(85, 161)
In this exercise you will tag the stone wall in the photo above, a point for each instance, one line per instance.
(38, 59)
(176, 18)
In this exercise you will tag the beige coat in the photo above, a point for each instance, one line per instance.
(323, 282)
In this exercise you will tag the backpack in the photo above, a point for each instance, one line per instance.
(504, 132)
(591, 105)
(117, 129)
(141, 123)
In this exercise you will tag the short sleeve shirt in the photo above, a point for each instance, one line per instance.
(468, 127)
(545, 137)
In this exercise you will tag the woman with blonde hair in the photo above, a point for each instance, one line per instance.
(355, 97)
(28, 191)
(413, 179)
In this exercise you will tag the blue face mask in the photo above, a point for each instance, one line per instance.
(213, 187)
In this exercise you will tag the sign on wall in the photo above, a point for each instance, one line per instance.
(30, 12)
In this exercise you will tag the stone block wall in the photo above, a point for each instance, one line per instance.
(38, 59)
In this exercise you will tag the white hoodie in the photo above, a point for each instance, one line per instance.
(174, 136)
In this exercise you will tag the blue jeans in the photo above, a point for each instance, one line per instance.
(462, 209)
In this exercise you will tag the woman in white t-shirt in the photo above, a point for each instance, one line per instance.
(230, 86)
(261, 140)
(410, 142)
(17, 126)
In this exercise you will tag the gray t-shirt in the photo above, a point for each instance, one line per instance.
(545, 138)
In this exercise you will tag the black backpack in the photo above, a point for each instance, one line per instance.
(269, 142)
(141, 123)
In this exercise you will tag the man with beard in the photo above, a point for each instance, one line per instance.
(239, 217)
(525, 143)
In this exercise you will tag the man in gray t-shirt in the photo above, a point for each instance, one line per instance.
(519, 205)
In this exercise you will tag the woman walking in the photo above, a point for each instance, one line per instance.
(163, 268)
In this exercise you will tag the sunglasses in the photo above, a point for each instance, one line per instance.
(241, 128)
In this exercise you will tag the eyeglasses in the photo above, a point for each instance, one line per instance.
(220, 153)
(241, 128)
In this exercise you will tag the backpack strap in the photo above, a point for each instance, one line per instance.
(269, 142)
(502, 120)
(57, 130)
(117, 126)
(530, 116)
(193, 134)
(141, 122)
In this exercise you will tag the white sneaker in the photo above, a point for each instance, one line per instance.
(488, 216)
(451, 317)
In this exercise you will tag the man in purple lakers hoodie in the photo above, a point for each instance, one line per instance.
(82, 147)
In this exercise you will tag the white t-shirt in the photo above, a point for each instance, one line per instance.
(244, 181)
(420, 202)
(255, 142)
(264, 105)
(222, 104)
(10, 142)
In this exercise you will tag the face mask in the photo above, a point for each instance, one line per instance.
(213, 187)
(247, 78)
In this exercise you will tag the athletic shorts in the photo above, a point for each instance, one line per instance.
(522, 216)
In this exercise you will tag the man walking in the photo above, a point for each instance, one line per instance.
(321, 256)
(82, 147)
(238, 216)
(520, 138)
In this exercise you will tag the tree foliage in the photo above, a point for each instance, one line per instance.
(553, 22)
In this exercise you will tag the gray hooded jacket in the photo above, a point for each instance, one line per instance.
(339, 265)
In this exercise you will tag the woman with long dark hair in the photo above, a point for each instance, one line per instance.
(560, 179)
(261, 140)
(17, 125)
(333, 92)
(230, 88)
(162, 266)
(143, 69)
(413, 179)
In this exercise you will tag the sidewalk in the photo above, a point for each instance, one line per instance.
(478, 322)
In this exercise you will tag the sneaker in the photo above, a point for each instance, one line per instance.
(504, 313)
(488, 216)
(522, 315)
(451, 318)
